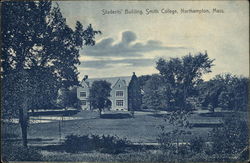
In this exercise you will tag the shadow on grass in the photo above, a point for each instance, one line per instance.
(131, 147)
(216, 114)
(55, 112)
(157, 115)
(206, 125)
(116, 116)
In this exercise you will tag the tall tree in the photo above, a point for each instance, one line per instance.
(134, 94)
(183, 74)
(39, 44)
(99, 95)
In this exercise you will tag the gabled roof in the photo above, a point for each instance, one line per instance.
(111, 80)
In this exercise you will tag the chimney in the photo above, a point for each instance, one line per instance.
(85, 77)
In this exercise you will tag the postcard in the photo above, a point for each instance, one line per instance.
(125, 81)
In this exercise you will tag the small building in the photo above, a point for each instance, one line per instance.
(125, 93)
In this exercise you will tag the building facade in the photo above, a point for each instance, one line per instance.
(123, 96)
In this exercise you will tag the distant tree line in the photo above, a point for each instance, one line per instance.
(226, 91)
(179, 86)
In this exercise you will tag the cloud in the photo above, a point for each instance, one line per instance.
(97, 64)
(127, 47)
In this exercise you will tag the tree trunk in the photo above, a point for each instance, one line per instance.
(100, 112)
(177, 145)
(24, 135)
(23, 120)
(184, 98)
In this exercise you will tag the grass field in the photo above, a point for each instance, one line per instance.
(143, 128)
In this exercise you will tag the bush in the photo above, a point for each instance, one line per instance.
(104, 144)
(9, 135)
(231, 138)
(74, 143)
(197, 144)
(113, 145)
(166, 146)
(16, 152)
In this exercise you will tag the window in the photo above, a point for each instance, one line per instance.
(82, 94)
(119, 93)
(119, 102)
(84, 102)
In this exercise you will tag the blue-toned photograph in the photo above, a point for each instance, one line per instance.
(124, 81)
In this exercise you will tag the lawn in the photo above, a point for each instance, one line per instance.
(143, 128)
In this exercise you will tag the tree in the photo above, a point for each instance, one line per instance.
(99, 95)
(155, 96)
(38, 44)
(134, 94)
(142, 81)
(234, 95)
(183, 74)
(68, 98)
(209, 92)
(227, 91)
(167, 138)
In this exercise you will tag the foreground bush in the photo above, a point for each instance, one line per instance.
(104, 144)
(16, 152)
(197, 144)
(232, 138)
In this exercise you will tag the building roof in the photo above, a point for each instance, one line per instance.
(111, 80)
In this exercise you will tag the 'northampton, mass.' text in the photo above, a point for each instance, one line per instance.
(160, 11)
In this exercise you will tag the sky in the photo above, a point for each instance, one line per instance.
(134, 42)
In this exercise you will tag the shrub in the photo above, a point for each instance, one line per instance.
(74, 143)
(113, 145)
(197, 144)
(16, 152)
(104, 144)
(166, 145)
(231, 138)
(9, 135)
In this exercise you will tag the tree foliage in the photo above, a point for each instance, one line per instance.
(227, 91)
(142, 81)
(37, 39)
(155, 93)
(179, 120)
(134, 94)
(232, 137)
(183, 74)
(99, 95)
(68, 98)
